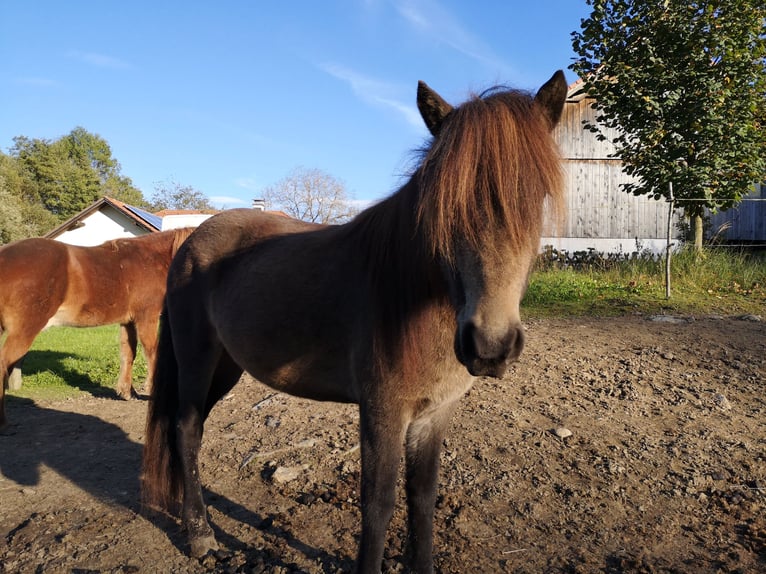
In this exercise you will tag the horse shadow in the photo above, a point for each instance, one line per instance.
(86, 450)
(273, 532)
(101, 459)
(41, 361)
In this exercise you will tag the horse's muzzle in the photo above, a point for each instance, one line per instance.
(488, 356)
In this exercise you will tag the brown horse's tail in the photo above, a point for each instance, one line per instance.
(2, 392)
(3, 379)
(161, 485)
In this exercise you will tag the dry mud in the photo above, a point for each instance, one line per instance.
(664, 470)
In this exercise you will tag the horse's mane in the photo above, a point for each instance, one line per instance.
(494, 163)
(173, 238)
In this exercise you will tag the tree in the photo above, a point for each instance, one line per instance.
(70, 173)
(685, 85)
(173, 195)
(18, 218)
(312, 195)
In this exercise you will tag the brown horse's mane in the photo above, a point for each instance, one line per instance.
(174, 238)
(493, 164)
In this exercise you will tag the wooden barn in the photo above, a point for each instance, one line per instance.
(603, 217)
(745, 225)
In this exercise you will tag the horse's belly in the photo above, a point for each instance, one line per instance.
(77, 316)
(307, 383)
(64, 317)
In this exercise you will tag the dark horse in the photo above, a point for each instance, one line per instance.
(45, 282)
(396, 310)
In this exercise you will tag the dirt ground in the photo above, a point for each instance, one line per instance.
(664, 471)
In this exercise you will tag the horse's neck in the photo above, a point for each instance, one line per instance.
(389, 244)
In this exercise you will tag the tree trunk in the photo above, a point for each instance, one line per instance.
(698, 232)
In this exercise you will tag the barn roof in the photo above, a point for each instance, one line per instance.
(576, 92)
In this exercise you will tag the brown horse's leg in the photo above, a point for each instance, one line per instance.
(128, 343)
(11, 353)
(12, 356)
(194, 514)
(198, 392)
(14, 375)
(382, 433)
(423, 446)
(147, 335)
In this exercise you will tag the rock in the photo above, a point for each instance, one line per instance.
(721, 402)
(272, 422)
(667, 319)
(283, 474)
(562, 432)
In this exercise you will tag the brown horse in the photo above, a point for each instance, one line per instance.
(394, 311)
(45, 283)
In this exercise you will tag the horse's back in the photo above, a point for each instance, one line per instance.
(235, 230)
(275, 293)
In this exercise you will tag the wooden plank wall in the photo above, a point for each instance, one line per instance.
(597, 206)
(746, 223)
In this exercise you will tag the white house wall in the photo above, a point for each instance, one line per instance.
(99, 227)
(183, 220)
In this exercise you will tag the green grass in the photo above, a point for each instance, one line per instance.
(716, 282)
(68, 362)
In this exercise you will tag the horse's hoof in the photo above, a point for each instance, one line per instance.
(127, 395)
(202, 545)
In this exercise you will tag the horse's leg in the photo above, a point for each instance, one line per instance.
(423, 446)
(193, 514)
(382, 433)
(147, 335)
(14, 376)
(11, 354)
(199, 390)
(128, 342)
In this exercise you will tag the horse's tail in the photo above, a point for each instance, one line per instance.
(161, 483)
(3, 378)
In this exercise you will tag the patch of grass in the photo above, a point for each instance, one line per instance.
(714, 282)
(67, 362)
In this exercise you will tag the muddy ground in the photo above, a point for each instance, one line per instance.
(664, 471)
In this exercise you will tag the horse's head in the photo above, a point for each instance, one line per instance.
(492, 167)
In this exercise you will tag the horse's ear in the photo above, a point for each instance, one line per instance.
(551, 97)
(432, 108)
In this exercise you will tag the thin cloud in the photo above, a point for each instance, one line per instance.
(431, 19)
(36, 82)
(226, 200)
(246, 183)
(99, 60)
(374, 92)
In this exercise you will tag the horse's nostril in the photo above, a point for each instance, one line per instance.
(478, 344)
(516, 338)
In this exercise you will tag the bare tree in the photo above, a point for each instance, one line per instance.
(173, 195)
(311, 194)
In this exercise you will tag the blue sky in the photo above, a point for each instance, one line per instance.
(228, 97)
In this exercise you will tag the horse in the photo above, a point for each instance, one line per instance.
(45, 283)
(396, 310)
